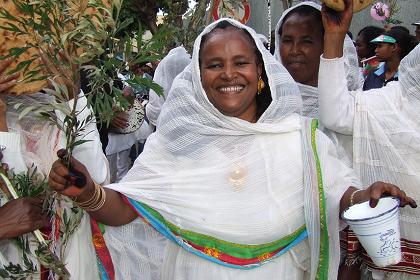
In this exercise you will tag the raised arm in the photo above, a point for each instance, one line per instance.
(336, 104)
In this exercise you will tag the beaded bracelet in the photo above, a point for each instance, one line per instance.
(352, 196)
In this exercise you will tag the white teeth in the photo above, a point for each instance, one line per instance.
(231, 88)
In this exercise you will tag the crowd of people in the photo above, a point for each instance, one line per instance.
(249, 159)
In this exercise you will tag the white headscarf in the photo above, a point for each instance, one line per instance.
(310, 93)
(170, 66)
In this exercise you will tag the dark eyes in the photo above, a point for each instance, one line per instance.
(214, 66)
(305, 41)
(219, 65)
(242, 63)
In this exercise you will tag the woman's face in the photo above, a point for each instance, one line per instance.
(301, 46)
(362, 47)
(385, 51)
(229, 73)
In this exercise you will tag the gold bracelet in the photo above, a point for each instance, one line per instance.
(352, 196)
(99, 203)
(96, 202)
(93, 198)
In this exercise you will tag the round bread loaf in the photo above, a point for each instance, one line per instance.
(339, 5)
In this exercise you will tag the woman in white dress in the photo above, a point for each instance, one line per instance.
(233, 184)
(299, 43)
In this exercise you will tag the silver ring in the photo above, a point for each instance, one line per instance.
(2, 148)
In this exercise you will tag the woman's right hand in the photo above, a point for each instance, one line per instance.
(114, 211)
(120, 120)
(62, 180)
(336, 25)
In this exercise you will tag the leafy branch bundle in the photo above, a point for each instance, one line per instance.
(65, 34)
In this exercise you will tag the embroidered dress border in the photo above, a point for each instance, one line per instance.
(322, 271)
(103, 257)
(213, 249)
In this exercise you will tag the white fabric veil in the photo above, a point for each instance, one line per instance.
(310, 93)
(386, 137)
(170, 66)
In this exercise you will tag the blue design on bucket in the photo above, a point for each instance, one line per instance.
(390, 244)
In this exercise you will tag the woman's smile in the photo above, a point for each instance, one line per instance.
(234, 89)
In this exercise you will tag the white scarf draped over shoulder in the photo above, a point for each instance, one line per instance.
(227, 178)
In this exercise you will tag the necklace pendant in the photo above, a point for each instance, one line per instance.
(237, 178)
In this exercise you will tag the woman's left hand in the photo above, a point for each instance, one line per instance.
(380, 189)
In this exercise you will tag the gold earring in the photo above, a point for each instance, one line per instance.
(260, 86)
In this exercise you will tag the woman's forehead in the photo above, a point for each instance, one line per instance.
(228, 34)
(305, 23)
(227, 44)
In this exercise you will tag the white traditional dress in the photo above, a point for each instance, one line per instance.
(221, 198)
(32, 141)
(385, 125)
